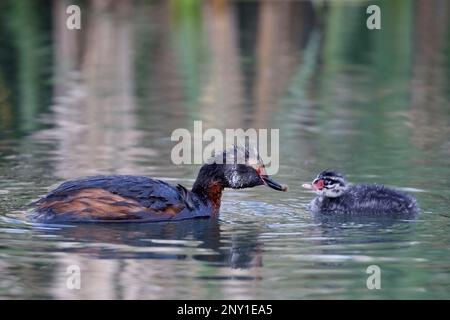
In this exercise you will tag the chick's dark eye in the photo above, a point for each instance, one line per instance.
(329, 182)
(332, 182)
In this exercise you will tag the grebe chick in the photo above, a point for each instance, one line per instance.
(336, 196)
(121, 198)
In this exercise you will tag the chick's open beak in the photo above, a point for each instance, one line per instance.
(318, 184)
(268, 181)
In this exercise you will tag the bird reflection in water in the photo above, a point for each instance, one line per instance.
(210, 244)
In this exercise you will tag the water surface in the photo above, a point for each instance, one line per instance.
(373, 104)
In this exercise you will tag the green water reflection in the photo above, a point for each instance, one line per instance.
(105, 99)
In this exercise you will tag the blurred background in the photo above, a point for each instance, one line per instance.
(106, 98)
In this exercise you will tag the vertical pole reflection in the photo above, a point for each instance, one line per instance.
(94, 106)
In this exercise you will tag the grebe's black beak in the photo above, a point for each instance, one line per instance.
(268, 181)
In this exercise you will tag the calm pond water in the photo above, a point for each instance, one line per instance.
(373, 104)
